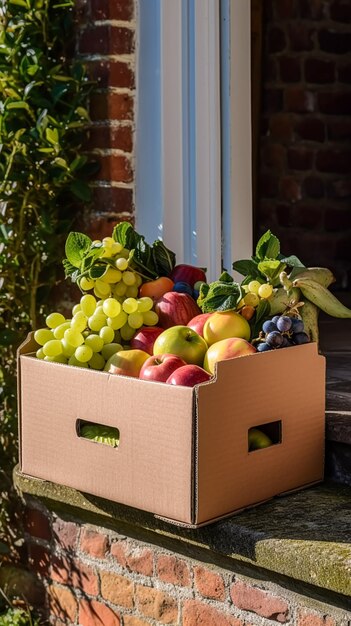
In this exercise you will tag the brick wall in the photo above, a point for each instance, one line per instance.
(96, 577)
(305, 167)
(106, 43)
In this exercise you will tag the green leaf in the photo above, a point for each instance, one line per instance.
(271, 269)
(219, 296)
(268, 246)
(60, 163)
(81, 190)
(262, 312)
(164, 259)
(20, 104)
(246, 267)
(82, 112)
(68, 267)
(292, 261)
(125, 234)
(77, 246)
(52, 135)
(97, 271)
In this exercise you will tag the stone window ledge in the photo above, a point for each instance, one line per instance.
(304, 539)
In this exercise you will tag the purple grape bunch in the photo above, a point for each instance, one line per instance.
(282, 331)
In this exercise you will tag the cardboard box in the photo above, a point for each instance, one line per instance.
(183, 453)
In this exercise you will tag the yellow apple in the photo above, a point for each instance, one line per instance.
(226, 349)
(126, 362)
(225, 324)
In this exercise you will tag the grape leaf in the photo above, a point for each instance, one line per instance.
(77, 245)
(221, 295)
(268, 246)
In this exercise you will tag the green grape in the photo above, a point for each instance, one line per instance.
(96, 322)
(55, 319)
(94, 342)
(73, 361)
(108, 242)
(117, 322)
(83, 354)
(59, 358)
(99, 310)
(254, 286)
(116, 247)
(109, 349)
(251, 299)
(112, 276)
(124, 253)
(129, 278)
(132, 291)
(88, 304)
(73, 337)
(150, 318)
(102, 289)
(145, 304)
(79, 321)
(40, 354)
(121, 264)
(265, 291)
(107, 334)
(59, 331)
(130, 305)
(87, 283)
(111, 307)
(139, 280)
(76, 309)
(120, 289)
(67, 349)
(135, 320)
(97, 362)
(42, 335)
(52, 347)
(127, 332)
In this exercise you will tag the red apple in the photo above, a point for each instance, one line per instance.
(226, 349)
(187, 274)
(198, 323)
(188, 376)
(145, 338)
(175, 309)
(182, 341)
(160, 367)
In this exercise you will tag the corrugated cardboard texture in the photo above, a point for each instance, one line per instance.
(151, 468)
(286, 385)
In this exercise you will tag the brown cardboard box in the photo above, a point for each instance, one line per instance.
(183, 453)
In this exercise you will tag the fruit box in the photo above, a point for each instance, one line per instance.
(183, 453)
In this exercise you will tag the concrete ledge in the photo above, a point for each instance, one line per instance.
(305, 536)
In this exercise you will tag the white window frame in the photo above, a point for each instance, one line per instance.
(193, 129)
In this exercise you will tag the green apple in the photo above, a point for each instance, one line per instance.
(181, 341)
(258, 439)
(224, 325)
(126, 362)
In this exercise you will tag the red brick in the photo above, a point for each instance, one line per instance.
(112, 10)
(115, 168)
(313, 187)
(111, 137)
(310, 619)
(290, 69)
(110, 201)
(312, 9)
(334, 161)
(209, 584)
(276, 40)
(156, 604)
(308, 216)
(107, 39)
(199, 614)
(37, 524)
(334, 42)
(94, 543)
(300, 159)
(319, 71)
(172, 570)
(112, 74)
(117, 589)
(286, 9)
(133, 557)
(62, 603)
(340, 130)
(290, 189)
(284, 215)
(301, 37)
(274, 156)
(272, 100)
(337, 219)
(344, 73)
(74, 573)
(339, 188)
(281, 127)
(111, 106)
(260, 602)
(269, 69)
(311, 129)
(268, 185)
(340, 11)
(65, 534)
(130, 620)
(299, 100)
(93, 613)
(100, 225)
(39, 559)
(335, 103)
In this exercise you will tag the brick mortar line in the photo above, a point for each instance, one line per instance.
(316, 25)
(317, 88)
(103, 184)
(92, 23)
(95, 56)
(115, 90)
(111, 152)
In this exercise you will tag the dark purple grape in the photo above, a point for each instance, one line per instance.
(268, 326)
(286, 342)
(263, 347)
(300, 338)
(195, 294)
(275, 318)
(297, 325)
(182, 287)
(284, 323)
(274, 339)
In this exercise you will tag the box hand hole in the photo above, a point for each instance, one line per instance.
(98, 433)
(264, 435)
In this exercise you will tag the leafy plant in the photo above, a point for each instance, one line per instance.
(43, 174)
(18, 617)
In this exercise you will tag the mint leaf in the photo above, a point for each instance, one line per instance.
(77, 245)
(268, 246)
